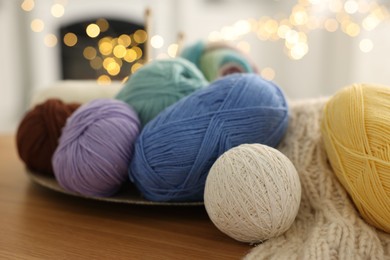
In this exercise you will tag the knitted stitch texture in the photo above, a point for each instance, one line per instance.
(327, 226)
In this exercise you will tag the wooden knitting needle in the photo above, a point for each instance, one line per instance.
(148, 29)
(180, 42)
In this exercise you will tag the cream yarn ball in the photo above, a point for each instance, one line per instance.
(252, 193)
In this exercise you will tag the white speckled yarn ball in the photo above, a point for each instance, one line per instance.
(252, 193)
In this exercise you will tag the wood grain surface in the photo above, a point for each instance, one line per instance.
(38, 223)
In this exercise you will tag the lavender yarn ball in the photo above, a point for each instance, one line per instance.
(176, 150)
(96, 147)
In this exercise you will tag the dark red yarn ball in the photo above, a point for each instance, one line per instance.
(39, 131)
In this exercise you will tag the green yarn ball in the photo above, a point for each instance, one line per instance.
(219, 62)
(159, 84)
(218, 59)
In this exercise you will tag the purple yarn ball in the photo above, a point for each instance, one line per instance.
(96, 147)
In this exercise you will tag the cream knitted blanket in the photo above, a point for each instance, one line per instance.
(327, 226)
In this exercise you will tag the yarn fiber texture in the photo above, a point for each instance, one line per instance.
(96, 147)
(159, 84)
(252, 193)
(356, 130)
(176, 150)
(75, 91)
(216, 60)
(38, 133)
(328, 225)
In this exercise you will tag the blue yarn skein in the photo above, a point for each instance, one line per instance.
(175, 151)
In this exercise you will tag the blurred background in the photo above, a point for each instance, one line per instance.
(310, 48)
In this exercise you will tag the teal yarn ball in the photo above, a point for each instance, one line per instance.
(176, 150)
(158, 85)
(216, 60)
(194, 52)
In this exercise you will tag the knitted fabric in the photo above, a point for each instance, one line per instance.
(327, 226)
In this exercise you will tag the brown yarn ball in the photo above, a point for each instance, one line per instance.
(39, 131)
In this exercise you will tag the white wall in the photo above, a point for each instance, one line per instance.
(334, 59)
(373, 67)
(12, 66)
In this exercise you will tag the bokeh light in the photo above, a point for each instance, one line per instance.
(172, 50)
(119, 51)
(103, 24)
(366, 45)
(50, 40)
(89, 53)
(57, 10)
(268, 73)
(104, 80)
(28, 5)
(136, 66)
(140, 36)
(124, 40)
(37, 25)
(93, 30)
(157, 41)
(130, 56)
(70, 39)
(96, 63)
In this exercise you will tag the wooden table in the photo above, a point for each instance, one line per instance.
(38, 223)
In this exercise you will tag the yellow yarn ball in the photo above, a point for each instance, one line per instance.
(356, 133)
(252, 193)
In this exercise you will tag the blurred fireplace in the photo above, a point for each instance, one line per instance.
(102, 48)
(63, 62)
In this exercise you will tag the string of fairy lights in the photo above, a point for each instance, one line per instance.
(351, 17)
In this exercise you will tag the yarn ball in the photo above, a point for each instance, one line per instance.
(252, 193)
(175, 151)
(75, 91)
(96, 147)
(38, 133)
(356, 133)
(158, 85)
(216, 60)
